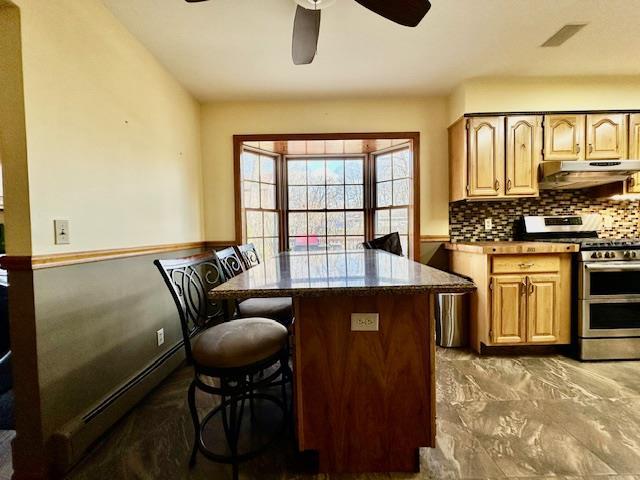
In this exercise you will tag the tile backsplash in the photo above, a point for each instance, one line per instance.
(466, 219)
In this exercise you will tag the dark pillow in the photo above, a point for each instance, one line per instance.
(389, 243)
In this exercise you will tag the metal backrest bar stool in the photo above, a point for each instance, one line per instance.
(389, 243)
(276, 308)
(249, 255)
(231, 353)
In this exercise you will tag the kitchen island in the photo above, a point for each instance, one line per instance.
(364, 388)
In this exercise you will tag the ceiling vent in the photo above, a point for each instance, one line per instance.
(564, 34)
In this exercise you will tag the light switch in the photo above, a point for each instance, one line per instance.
(62, 232)
(364, 322)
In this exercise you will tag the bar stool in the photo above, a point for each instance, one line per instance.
(276, 308)
(389, 243)
(232, 353)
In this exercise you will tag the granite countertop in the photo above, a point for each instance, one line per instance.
(358, 272)
(510, 248)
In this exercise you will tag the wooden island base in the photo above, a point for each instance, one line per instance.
(365, 401)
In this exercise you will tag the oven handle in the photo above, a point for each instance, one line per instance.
(612, 267)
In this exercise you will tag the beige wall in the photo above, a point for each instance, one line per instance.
(220, 121)
(113, 141)
(531, 94)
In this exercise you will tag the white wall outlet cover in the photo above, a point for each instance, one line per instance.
(608, 221)
(488, 223)
(160, 335)
(61, 228)
(365, 322)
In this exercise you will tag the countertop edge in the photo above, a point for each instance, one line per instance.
(347, 291)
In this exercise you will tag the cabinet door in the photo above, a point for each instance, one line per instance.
(523, 155)
(564, 137)
(486, 156)
(634, 149)
(606, 136)
(543, 308)
(508, 309)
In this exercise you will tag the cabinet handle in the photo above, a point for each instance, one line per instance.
(508, 184)
(532, 287)
(497, 185)
(632, 182)
(525, 265)
(590, 148)
(577, 148)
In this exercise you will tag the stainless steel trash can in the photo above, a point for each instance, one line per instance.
(452, 320)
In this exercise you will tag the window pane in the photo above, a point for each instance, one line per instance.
(354, 198)
(315, 172)
(297, 244)
(297, 198)
(257, 242)
(382, 223)
(335, 197)
(254, 224)
(297, 223)
(400, 220)
(335, 223)
(297, 172)
(268, 196)
(401, 164)
(336, 243)
(383, 194)
(317, 223)
(270, 224)
(270, 248)
(250, 166)
(251, 195)
(267, 169)
(401, 192)
(335, 172)
(317, 198)
(404, 241)
(355, 243)
(355, 223)
(383, 168)
(353, 172)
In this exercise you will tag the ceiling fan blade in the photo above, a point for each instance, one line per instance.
(405, 12)
(306, 29)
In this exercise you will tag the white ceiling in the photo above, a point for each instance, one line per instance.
(241, 49)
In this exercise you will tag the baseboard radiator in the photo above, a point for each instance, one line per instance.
(69, 443)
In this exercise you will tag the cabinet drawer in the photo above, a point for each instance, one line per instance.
(525, 263)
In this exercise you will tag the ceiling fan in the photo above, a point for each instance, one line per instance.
(306, 25)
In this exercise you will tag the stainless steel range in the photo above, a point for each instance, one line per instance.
(606, 285)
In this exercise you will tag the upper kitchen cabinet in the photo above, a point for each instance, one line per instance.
(564, 137)
(523, 154)
(494, 157)
(486, 156)
(634, 150)
(606, 136)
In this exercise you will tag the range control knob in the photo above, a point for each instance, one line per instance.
(609, 255)
(597, 255)
(626, 254)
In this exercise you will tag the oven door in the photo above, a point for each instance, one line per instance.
(616, 317)
(609, 280)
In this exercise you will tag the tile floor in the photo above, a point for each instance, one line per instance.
(498, 417)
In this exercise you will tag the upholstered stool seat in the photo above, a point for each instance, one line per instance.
(239, 343)
(277, 308)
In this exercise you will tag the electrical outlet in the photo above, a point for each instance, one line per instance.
(160, 335)
(488, 223)
(364, 322)
(61, 228)
(608, 221)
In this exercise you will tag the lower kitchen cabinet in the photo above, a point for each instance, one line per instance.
(521, 299)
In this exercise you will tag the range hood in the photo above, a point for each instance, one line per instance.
(574, 174)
